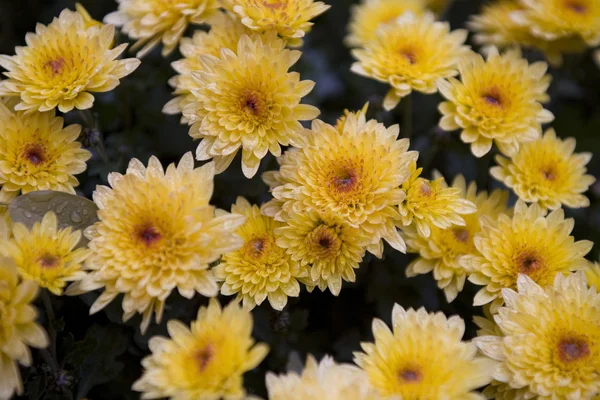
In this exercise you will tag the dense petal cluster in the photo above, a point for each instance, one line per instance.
(62, 63)
(205, 361)
(423, 357)
(157, 233)
(547, 172)
(497, 100)
(154, 21)
(247, 100)
(411, 54)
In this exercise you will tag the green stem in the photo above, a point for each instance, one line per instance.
(51, 318)
(407, 117)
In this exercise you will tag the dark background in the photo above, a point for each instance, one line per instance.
(100, 356)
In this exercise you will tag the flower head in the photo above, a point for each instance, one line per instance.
(248, 100)
(431, 204)
(547, 172)
(592, 273)
(497, 100)
(260, 269)
(205, 361)
(442, 250)
(45, 254)
(411, 54)
(154, 21)
(354, 174)
(289, 18)
(423, 357)
(550, 343)
(38, 153)
(321, 380)
(157, 233)
(62, 63)
(18, 329)
(530, 243)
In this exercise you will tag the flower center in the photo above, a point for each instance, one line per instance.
(48, 260)
(572, 349)
(460, 234)
(148, 235)
(253, 103)
(346, 180)
(56, 66)
(34, 153)
(425, 189)
(529, 263)
(493, 97)
(257, 246)
(324, 242)
(576, 6)
(410, 375)
(274, 4)
(409, 54)
(549, 173)
(204, 356)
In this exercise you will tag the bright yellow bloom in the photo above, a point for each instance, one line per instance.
(423, 357)
(498, 100)
(592, 273)
(62, 63)
(411, 54)
(368, 16)
(354, 174)
(89, 21)
(430, 204)
(442, 250)
(18, 328)
(329, 245)
(38, 153)
(248, 100)
(46, 254)
(153, 21)
(203, 362)
(225, 32)
(551, 343)
(547, 172)
(260, 269)
(157, 233)
(289, 18)
(530, 243)
(341, 121)
(325, 380)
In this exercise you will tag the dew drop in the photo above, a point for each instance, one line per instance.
(75, 217)
(27, 214)
(41, 196)
(61, 207)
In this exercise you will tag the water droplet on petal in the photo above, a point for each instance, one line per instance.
(61, 207)
(27, 214)
(75, 217)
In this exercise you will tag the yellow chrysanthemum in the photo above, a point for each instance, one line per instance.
(592, 273)
(260, 269)
(354, 174)
(38, 153)
(430, 204)
(442, 250)
(46, 254)
(341, 121)
(411, 54)
(203, 362)
(547, 172)
(329, 245)
(554, 19)
(368, 16)
(530, 243)
(423, 357)
(248, 100)
(18, 329)
(497, 100)
(62, 63)
(289, 18)
(151, 22)
(325, 380)
(225, 32)
(157, 233)
(551, 343)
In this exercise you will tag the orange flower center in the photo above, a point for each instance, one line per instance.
(576, 6)
(324, 241)
(56, 66)
(204, 356)
(346, 180)
(409, 54)
(529, 263)
(274, 4)
(148, 235)
(410, 375)
(48, 260)
(253, 103)
(460, 234)
(34, 153)
(257, 247)
(571, 349)
(493, 97)
(549, 173)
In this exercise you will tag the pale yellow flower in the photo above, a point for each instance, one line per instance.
(592, 273)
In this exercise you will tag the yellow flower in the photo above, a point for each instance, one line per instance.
(498, 100)
(289, 18)
(411, 54)
(18, 328)
(260, 269)
(157, 233)
(62, 63)
(329, 245)
(423, 357)
(354, 174)
(530, 243)
(225, 32)
(368, 16)
(203, 362)
(547, 172)
(551, 343)
(153, 21)
(38, 153)
(442, 250)
(89, 21)
(431, 204)
(325, 380)
(46, 254)
(592, 273)
(341, 121)
(248, 100)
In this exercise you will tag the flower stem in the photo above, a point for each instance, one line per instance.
(407, 117)
(51, 318)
